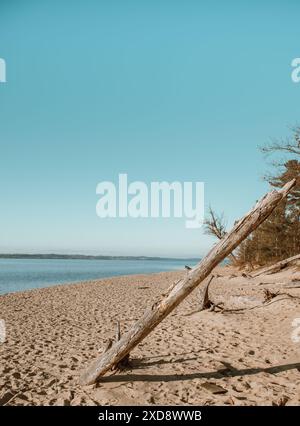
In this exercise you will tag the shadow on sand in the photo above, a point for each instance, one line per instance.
(228, 371)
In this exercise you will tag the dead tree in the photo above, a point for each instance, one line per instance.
(215, 225)
(160, 309)
(277, 267)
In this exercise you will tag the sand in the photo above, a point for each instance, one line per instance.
(54, 333)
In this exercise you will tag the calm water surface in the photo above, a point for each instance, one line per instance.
(26, 274)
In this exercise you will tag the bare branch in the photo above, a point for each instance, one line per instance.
(215, 224)
(287, 145)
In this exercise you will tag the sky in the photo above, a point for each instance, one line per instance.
(160, 90)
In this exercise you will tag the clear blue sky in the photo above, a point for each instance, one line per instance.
(161, 90)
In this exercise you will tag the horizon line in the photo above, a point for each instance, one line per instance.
(52, 255)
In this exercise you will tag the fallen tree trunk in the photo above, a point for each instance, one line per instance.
(185, 286)
(277, 267)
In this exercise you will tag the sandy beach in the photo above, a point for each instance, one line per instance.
(54, 333)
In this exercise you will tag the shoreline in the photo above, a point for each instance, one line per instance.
(53, 333)
(22, 274)
(96, 281)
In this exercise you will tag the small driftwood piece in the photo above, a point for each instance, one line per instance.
(277, 267)
(124, 363)
(269, 295)
(159, 310)
(118, 331)
(108, 345)
(206, 303)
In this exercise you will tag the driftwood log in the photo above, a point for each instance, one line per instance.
(277, 267)
(159, 310)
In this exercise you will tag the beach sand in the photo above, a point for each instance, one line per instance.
(54, 333)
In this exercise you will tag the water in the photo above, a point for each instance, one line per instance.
(26, 274)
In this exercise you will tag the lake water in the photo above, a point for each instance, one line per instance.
(26, 274)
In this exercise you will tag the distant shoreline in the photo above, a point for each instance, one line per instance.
(90, 257)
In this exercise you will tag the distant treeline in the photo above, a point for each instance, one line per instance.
(87, 257)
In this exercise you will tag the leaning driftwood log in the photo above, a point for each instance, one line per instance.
(277, 267)
(159, 310)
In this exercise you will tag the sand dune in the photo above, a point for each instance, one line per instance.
(53, 334)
